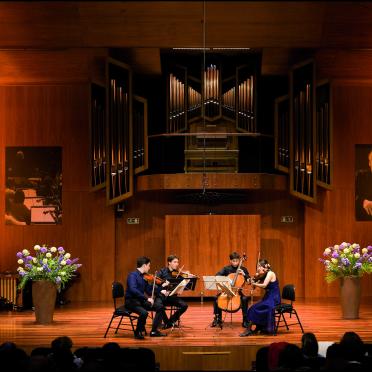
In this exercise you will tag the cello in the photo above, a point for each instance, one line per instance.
(229, 300)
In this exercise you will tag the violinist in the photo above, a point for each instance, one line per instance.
(140, 297)
(261, 314)
(167, 273)
(231, 269)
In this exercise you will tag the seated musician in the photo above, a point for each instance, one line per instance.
(166, 273)
(138, 298)
(231, 269)
(261, 314)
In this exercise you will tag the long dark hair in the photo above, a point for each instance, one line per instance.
(264, 263)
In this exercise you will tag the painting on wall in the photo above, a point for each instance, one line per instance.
(363, 182)
(33, 185)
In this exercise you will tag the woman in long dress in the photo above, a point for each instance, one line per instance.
(261, 314)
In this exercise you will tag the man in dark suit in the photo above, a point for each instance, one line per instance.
(225, 271)
(180, 305)
(138, 298)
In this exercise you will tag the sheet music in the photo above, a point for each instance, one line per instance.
(210, 282)
(180, 287)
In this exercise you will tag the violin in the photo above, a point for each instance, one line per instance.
(258, 278)
(150, 279)
(183, 274)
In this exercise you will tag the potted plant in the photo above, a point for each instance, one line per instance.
(348, 262)
(49, 269)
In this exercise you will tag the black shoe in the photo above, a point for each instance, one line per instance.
(248, 332)
(139, 336)
(217, 322)
(169, 325)
(157, 334)
(245, 324)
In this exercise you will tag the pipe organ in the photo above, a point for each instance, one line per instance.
(305, 151)
(119, 183)
(211, 96)
(98, 136)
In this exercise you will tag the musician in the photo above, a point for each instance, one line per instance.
(181, 305)
(261, 314)
(138, 298)
(231, 269)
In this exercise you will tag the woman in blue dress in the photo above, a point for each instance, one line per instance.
(261, 314)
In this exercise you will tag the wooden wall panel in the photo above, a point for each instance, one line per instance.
(281, 243)
(204, 243)
(57, 115)
(333, 220)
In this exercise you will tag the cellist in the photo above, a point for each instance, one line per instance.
(231, 269)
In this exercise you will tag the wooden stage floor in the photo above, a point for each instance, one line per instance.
(197, 346)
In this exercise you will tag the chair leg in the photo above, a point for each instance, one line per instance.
(298, 319)
(285, 322)
(112, 318)
(117, 328)
(277, 324)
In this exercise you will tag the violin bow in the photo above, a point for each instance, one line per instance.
(180, 271)
(258, 260)
(153, 287)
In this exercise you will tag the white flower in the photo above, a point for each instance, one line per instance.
(37, 247)
(39, 269)
(20, 269)
(20, 261)
(346, 250)
(354, 245)
(357, 255)
(326, 262)
(67, 255)
(49, 255)
(337, 247)
(334, 260)
(63, 262)
(26, 252)
(34, 260)
(365, 250)
(45, 261)
(62, 273)
(327, 251)
(53, 249)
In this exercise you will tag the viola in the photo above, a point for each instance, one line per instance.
(150, 279)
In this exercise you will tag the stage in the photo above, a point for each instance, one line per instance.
(196, 346)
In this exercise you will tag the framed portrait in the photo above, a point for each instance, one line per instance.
(363, 182)
(33, 185)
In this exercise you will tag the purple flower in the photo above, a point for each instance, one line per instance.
(335, 255)
(358, 265)
(58, 279)
(60, 249)
(28, 258)
(79, 265)
(60, 259)
(29, 266)
(345, 261)
(22, 273)
(19, 254)
(43, 250)
(68, 262)
(74, 261)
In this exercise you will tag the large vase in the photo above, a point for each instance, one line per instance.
(44, 295)
(350, 297)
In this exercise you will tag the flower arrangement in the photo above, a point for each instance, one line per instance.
(52, 264)
(346, 260)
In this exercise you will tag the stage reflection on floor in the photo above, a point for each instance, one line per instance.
(196, 343)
